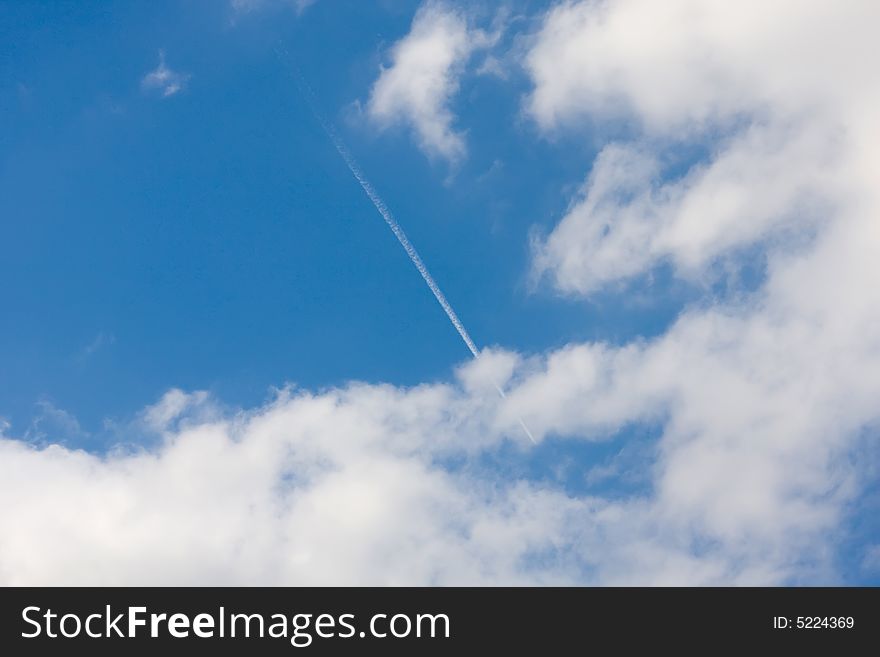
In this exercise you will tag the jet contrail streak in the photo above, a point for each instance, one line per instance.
(383, 210)
(399, 233)
(404, 242)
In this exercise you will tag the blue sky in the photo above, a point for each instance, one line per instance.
(164, 232)
(173, 219)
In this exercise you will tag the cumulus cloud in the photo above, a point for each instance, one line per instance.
(683, 65)
(788, 88)
(351, 486)
(768, 181)
(423, 77)
(164, 80)
(765, 397)
(339, 487)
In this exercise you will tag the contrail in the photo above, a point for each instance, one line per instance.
(401, 237)
(399, 233)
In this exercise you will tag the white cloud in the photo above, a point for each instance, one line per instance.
(764, 398)
(418, 86)
(339, 487)
(768, 181)
(163, 80)
(682, 64)
(788, 83)
(161, 415)
(344, 487)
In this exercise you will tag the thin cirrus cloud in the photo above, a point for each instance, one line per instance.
(164, 80)
(763, 400)
(416, 89)
(247, 6)
(101, 341)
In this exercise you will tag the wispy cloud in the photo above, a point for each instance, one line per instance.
(247, 6)
(54, 425)
(101, 340)
(164, 80)
(871, 560)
